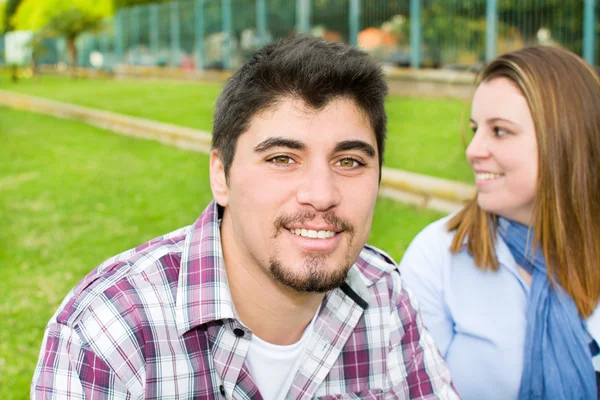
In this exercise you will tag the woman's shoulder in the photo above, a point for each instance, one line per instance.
(436, 234)
(430, 247)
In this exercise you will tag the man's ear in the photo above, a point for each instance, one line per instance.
(218, 182)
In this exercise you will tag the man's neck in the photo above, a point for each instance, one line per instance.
(274, 313)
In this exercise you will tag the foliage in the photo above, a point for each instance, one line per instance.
(38, 49)
(36, 14)
(2, 15)
(118, 4)
(59, 18)
(72, 23)
(8, 9)
(562, 19)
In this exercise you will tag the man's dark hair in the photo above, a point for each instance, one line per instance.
(303, 67)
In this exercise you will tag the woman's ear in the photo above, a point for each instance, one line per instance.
(218, 181)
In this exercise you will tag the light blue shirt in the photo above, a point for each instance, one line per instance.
(477, 318)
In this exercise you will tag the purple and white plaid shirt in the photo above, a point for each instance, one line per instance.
(158, 322)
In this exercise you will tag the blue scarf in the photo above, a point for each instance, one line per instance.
(558, 361)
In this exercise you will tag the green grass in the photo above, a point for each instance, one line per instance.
(72, 195)
(423, 134)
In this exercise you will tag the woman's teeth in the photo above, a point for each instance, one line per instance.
(486, 176)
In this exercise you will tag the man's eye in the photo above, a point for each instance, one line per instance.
(349, 163)
(282, 160)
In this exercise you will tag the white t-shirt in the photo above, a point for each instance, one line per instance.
(274, 367)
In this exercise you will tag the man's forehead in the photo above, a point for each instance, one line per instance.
(301, 108)
(341, 119)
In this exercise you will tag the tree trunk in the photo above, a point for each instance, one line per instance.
(34, 66)
(14, 73)
(73, 55)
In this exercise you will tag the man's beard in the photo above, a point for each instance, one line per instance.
(315, 274)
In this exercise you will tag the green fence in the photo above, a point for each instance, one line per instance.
(1, 49)
(198, 34)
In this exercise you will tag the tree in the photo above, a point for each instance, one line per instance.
(70, 24)
(36, 44)
(10, 7)
(130, 3)
(68, 19)
(2, 15)
(36, 14)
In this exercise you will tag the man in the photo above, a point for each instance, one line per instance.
(272, 292)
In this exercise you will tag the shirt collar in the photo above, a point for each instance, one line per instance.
(203, 293)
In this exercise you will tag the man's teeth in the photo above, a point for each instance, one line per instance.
(309, 233)
(486, 176)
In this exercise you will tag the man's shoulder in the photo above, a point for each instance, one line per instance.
(377, 258)
(374, 264)
(121, 281)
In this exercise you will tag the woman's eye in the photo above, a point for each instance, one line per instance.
(282, 160)
(500, 132)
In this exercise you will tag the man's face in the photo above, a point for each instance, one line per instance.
(301, 193)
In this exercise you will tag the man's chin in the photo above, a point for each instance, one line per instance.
(310, 285)
(317, 278)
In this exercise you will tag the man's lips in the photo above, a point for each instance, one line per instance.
(312, 227)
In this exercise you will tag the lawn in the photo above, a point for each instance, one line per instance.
(424, 135)
(72, 195)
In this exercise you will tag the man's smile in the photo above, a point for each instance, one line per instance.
(313, 234)
(320, 240)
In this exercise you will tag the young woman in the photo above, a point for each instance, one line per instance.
(509, 285)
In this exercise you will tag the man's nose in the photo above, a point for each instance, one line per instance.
(319, 188)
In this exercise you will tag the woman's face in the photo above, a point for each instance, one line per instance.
(503, 152)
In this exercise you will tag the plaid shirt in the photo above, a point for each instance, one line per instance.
(158, 321)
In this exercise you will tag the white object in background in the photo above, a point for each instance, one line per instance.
(96, 59)
(17, 48)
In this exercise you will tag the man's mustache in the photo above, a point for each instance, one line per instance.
(303, 216)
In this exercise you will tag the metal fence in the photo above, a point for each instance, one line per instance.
(199, 34)
(1, 49)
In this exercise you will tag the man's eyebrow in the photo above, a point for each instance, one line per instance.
(355, 145)
(279, 142)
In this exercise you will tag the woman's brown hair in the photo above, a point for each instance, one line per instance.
(563, 94)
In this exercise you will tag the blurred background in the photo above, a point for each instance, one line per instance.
(75, 73)
(220, 34)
